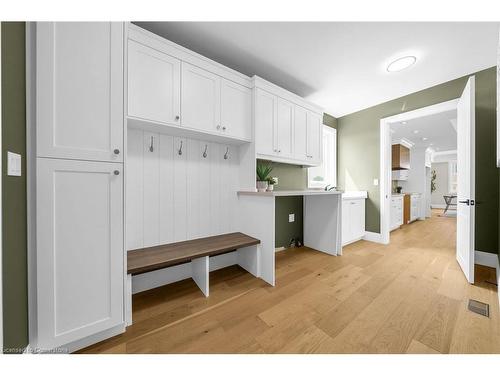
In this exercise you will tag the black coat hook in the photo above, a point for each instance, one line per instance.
(205, 152)
(151, 145)
(180, 149)
(226, 155)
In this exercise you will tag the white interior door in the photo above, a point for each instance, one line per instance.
(466, 175)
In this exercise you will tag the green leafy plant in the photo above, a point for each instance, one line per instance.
(271, 180)
(263, 171)
(433, 181)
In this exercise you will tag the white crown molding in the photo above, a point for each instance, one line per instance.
(403, 141)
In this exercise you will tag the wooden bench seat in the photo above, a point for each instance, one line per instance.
(157, 257)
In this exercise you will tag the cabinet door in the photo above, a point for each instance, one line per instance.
(154, 80)
(357, 218)
(346, 222)
(285, 128)
(79, 74)
(265, 122)
(200, 98)
(300, 130)
(314, 137)
(236, 110)
(79, 249)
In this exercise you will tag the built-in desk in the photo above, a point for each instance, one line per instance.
(322, 223)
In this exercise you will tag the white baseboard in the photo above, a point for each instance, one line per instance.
(486, 259)
(373, 237)
(443, 206)
(278, 249)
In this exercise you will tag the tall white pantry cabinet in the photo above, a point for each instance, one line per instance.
(79, 180)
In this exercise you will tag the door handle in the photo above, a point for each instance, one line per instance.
(468, 202)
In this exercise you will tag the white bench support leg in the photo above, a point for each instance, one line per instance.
(248, 258)
(128, 301)
(200, 270)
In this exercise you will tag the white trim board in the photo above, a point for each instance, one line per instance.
(439, 206)
(373, 237)
(486, 259)
(1, 225)
(385, 157)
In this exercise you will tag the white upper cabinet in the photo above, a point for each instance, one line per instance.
(154, 85)
(300, 130)
(236, 110)
(80, 266)
(314, 144)
(79, 92)
(200, 98)
(285, 128)
(266, 118)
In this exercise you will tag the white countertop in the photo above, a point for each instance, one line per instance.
(355, 195)
(289, 193)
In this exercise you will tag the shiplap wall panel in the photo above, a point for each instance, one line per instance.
(151, 189)
(215, 187)
(134, 178)
(204, 191)
(166, 204)
(180, 189)
(193, 186)
(172, 197)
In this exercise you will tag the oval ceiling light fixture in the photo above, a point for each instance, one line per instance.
(401, 64)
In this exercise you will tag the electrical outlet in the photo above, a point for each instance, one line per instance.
(13, 164)
(291, 218)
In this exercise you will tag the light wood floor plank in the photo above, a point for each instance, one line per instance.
(406, 297)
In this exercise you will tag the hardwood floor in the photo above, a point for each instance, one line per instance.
(408, 297)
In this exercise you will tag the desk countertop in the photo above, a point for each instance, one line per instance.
(289, 193)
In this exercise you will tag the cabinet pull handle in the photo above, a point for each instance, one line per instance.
(218, 127)
(180, 149)
(116, 151)
(223, 128)
(151, 144)
(226, 155)
(205, 152)
(177, 118)
(116, 172)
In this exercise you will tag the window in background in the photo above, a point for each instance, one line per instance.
(326, 173)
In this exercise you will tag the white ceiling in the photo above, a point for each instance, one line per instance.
(338, 65)
(439, 129)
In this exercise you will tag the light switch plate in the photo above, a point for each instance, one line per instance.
(375, 182)
(291, 218)
(13, 164)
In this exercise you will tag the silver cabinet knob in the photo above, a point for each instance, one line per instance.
(218, 127)
(116, 151)
(116, 172)
(224, 128)
(177, 118)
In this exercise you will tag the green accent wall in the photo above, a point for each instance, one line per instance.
(14, 261)
(358, 150)
(292, 177)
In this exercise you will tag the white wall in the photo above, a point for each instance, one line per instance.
(172, 197)
(441, 169)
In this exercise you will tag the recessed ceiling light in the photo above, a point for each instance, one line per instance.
(424, 138)
(415, 132)
(401, 63)
(403, 122)
(431, 144)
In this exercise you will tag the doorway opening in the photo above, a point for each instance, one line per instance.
(427, 169)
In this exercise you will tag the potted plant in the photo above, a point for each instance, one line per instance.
(263, 171)
(271, 181)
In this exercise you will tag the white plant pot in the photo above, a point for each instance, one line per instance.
(261, 186)
(270, 187)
